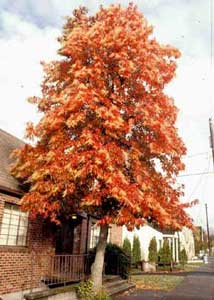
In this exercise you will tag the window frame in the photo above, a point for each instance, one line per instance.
(20, 237)
(94, 238)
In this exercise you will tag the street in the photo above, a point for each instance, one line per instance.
(197, 286)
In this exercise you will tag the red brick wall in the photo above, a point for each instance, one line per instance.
(17, 263)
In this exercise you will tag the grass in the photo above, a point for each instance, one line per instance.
(191, 267)
(135, 270)
(156, 282)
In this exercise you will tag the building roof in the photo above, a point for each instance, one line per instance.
(8, 143)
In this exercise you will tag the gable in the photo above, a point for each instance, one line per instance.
(8, 143)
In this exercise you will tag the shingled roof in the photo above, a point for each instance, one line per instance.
(8, 143)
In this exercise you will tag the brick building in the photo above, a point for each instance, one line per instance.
(32, 251)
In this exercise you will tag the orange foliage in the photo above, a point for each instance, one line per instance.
(107, 142)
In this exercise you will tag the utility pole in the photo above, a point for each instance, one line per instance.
(211, 137)
(212, 147)
(208, 230)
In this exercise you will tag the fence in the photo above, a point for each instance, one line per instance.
(56, 270)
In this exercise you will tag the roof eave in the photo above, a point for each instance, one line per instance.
(11, 191)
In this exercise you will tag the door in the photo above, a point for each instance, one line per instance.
(65, 238)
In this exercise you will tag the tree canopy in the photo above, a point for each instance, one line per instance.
(107, 142)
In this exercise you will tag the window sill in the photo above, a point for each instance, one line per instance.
(7, 248)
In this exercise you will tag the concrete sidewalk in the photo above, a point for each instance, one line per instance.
(197, 286)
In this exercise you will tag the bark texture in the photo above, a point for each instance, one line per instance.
(97, 266)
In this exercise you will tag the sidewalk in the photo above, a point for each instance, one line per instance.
(196, 286)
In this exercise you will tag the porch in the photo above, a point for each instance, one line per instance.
(68, 261)
(72, 257)
(59, 270)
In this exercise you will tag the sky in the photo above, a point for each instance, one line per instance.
(28, 35)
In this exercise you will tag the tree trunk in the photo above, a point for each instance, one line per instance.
(97, 266)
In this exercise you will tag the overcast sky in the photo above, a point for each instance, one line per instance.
(28, 32)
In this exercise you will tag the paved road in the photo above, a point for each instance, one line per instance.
(197, 286)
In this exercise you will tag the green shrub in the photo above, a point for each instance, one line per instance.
(165, 253)
(127, 248)
(183, 257)
(85, 292)
(116, 261)
(136, 251)
(153, 252)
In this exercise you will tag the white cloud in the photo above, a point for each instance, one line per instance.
(21, 72)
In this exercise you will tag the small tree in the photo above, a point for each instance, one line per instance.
(153, 252)
(183, 257)
(136, 250)
(127, 246)
(165, 253)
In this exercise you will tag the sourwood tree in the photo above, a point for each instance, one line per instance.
(106, 143)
